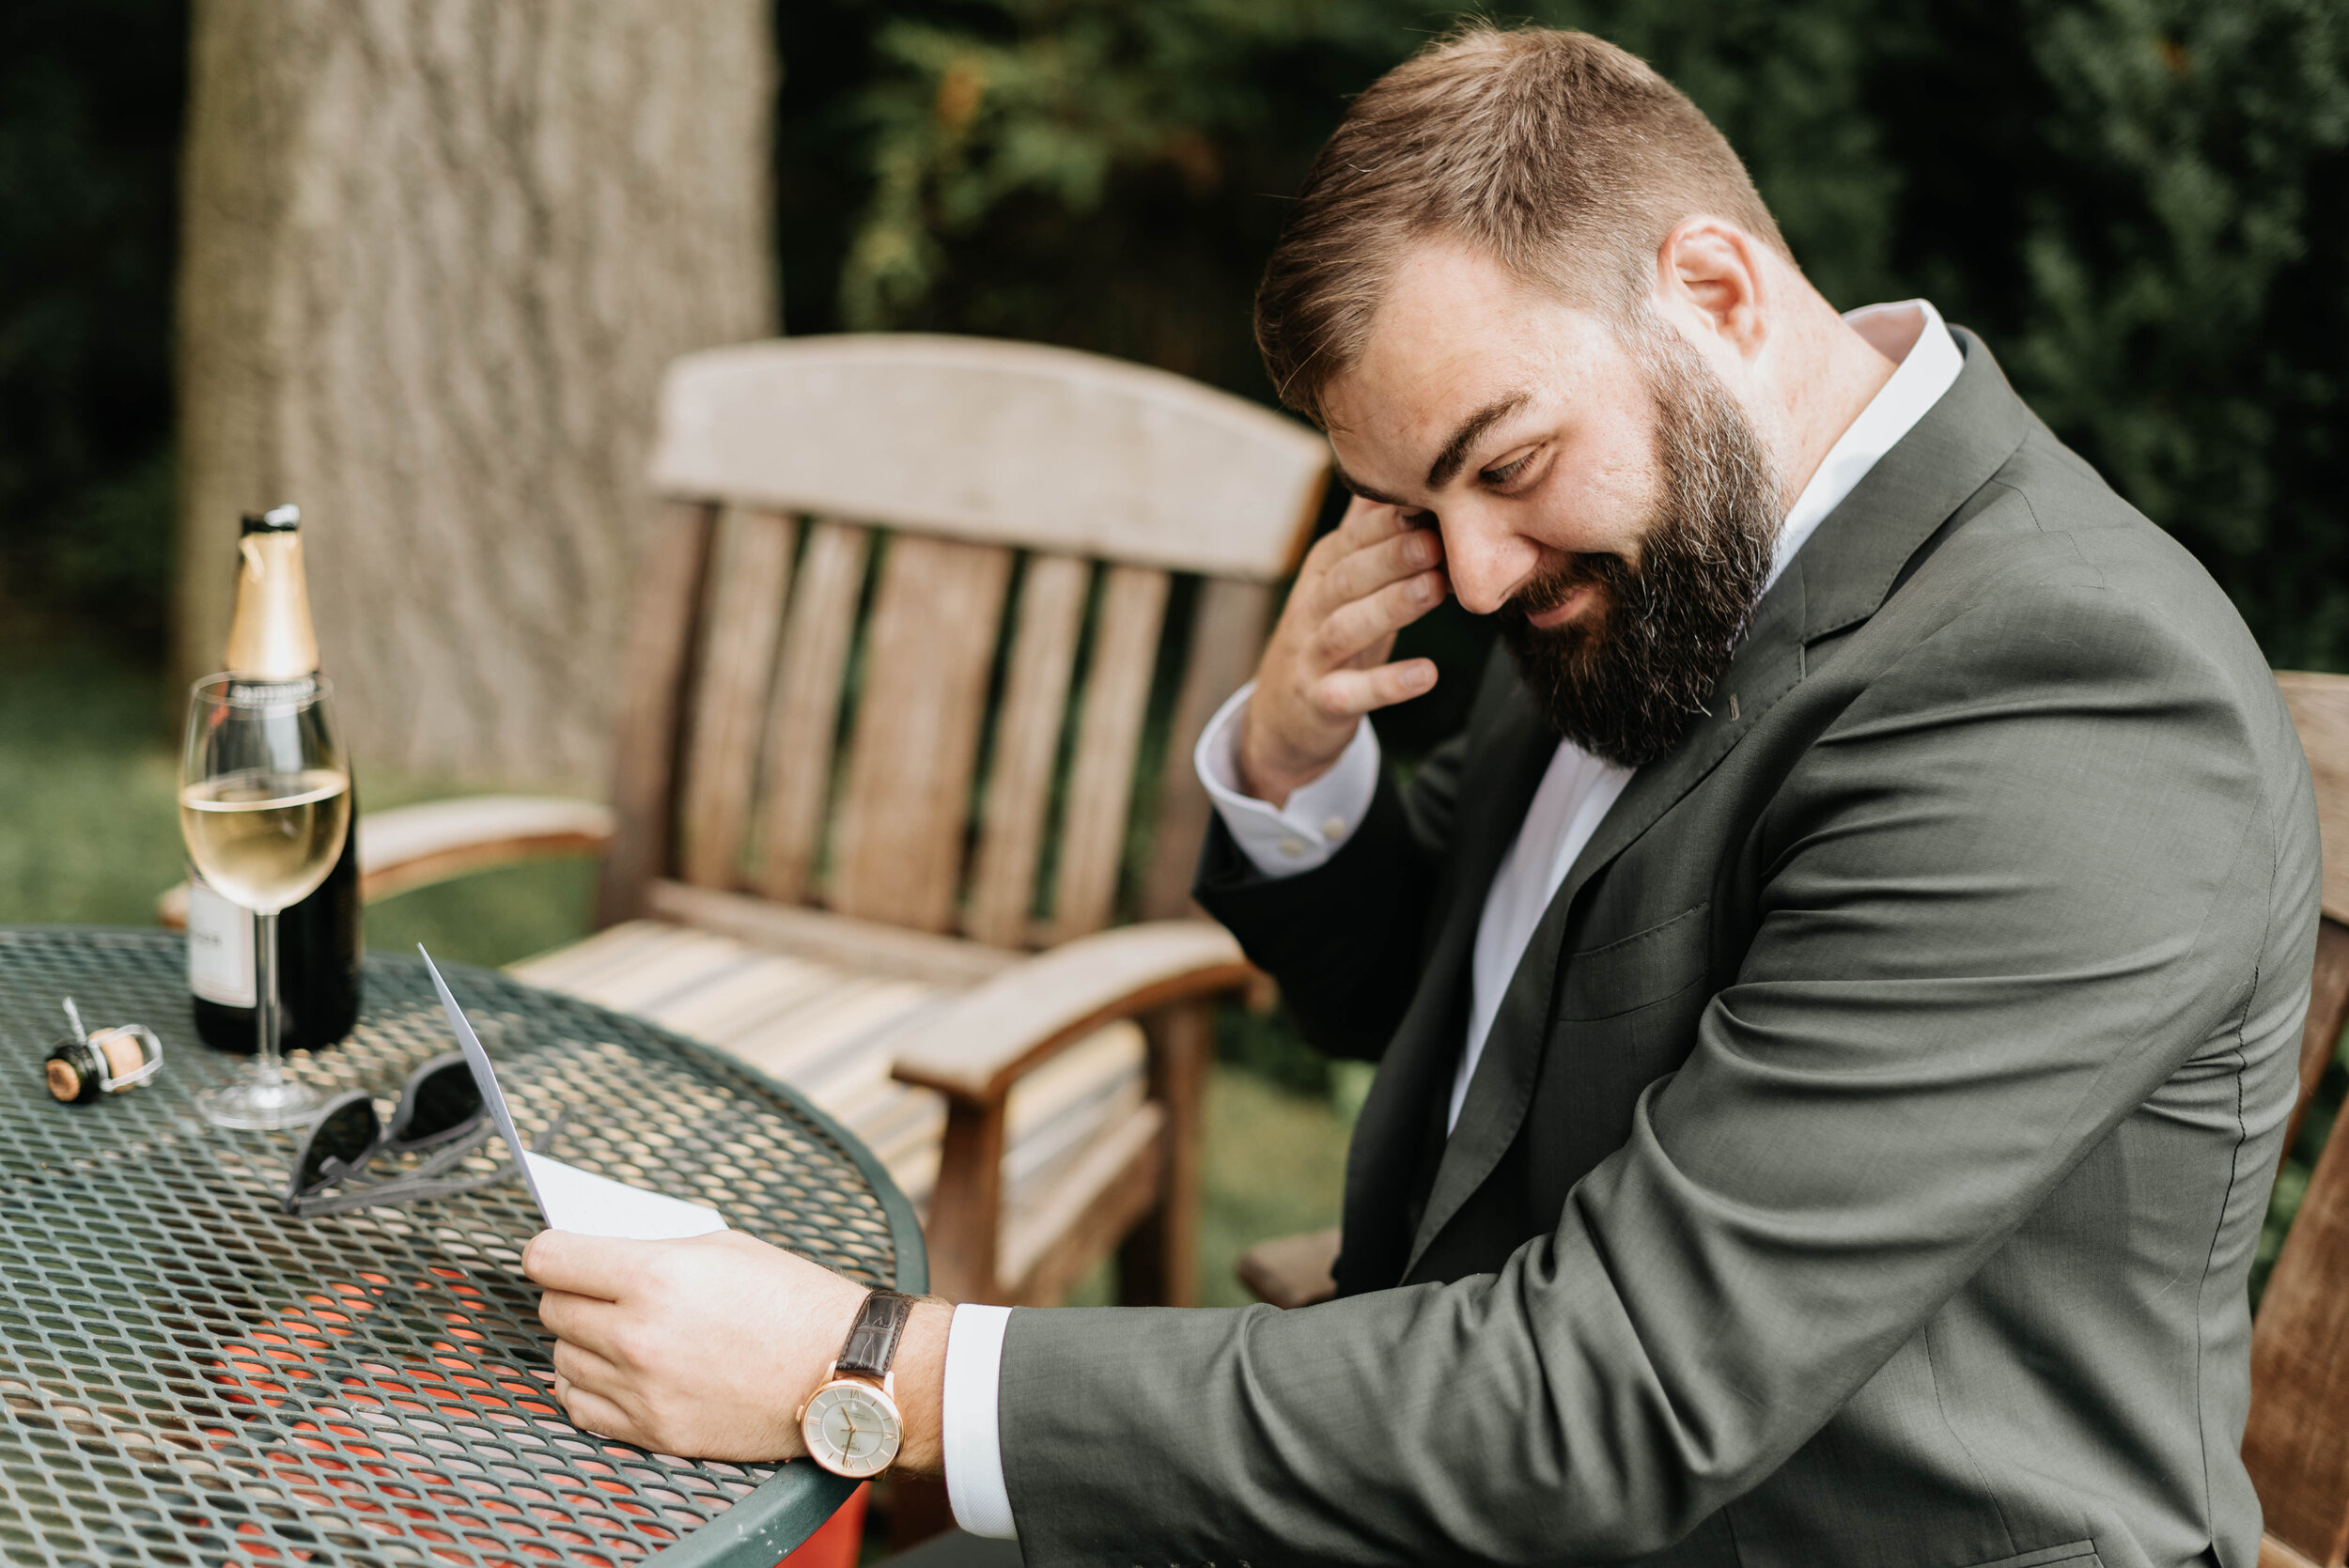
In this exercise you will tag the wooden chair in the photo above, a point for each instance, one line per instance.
(884, 760)
(2296, 1443)
(1292, 1270)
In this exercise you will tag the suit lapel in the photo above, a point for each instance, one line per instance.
(1840, 576)
(1390, 1132)
(1768, 664)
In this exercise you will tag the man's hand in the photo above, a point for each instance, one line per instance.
(706, 1348)
(1326, 665)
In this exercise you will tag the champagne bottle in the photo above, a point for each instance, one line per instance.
(271, 640)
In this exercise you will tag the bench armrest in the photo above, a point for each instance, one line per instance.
(975, 1048)
(1292, 1270)
(407, 847)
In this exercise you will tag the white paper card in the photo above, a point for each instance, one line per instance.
(580, 1200)
(485, 1076)
(570, 1199)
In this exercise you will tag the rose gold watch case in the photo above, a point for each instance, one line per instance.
(821, 1449)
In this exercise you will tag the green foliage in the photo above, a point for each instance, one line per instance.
(88, 769)
(1268, 1045)
(1093, 171)
(91, 98)
(2136, 201)
(2185, 326)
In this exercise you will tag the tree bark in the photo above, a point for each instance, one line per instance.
(436, 254)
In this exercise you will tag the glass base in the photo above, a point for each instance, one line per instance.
(253, 1104)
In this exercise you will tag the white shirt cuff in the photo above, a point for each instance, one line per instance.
(973, 1442)
(1319, 816)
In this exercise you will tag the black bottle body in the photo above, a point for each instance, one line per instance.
(271, 640)
(319, 948)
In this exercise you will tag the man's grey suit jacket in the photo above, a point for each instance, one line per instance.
(1868, 1156)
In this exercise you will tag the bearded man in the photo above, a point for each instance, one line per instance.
(1835, 1004)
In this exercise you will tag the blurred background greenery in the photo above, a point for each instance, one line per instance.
(2136, 202)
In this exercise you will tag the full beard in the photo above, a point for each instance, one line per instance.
(1627, 677)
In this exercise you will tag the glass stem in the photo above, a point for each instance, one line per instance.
(265, 1015)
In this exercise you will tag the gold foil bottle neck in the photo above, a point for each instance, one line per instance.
(271, 638)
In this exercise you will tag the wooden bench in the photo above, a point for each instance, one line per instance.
(2297, 1441)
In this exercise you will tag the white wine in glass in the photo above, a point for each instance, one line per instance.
(264, 805)
(258, 836)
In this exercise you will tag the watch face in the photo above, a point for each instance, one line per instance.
(851, 1428)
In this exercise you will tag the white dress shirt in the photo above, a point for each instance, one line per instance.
(1574, 794)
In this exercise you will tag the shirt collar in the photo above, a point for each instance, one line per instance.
(1925, 372)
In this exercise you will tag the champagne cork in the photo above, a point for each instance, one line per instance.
(81, 1069)
(65, 1081)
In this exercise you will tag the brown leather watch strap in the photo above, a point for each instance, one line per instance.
(873, 1337)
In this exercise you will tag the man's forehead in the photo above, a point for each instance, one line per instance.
(1457, 344)
(1448, 322)
(1418, 441)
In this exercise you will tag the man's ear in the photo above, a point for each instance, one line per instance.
(1710, 281)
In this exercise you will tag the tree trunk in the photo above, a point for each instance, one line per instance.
(436, 255)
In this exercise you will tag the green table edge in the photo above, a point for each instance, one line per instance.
(787, 1507)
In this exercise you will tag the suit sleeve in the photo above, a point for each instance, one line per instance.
(1344, 939)
(2022, 878)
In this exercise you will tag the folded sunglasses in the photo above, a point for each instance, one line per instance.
(440, 1116)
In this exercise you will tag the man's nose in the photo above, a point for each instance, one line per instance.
(1485, 564)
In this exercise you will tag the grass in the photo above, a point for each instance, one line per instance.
(89, 836)
(1276, 1165)
(88, 830)
(89, 833)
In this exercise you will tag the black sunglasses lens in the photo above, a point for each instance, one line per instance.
(346, 1132)
(438, 1101)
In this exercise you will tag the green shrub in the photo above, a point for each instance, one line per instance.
(2135, 201)
(91, 96)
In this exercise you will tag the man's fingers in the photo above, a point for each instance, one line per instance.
(592, 1412)
(1367, 522)
(576, 1365)
(1372, 568)
(583, 1320)
(1365, 525)
(601, 1267)
(1365, 622)
(1343, 692)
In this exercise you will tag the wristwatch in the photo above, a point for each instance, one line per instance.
(850, 1422)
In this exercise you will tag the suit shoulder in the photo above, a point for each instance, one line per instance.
(2048, 535)
(2060, 496)
(2051, 577)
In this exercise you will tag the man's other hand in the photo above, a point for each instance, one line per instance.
(1325, 664)
(706, 1348)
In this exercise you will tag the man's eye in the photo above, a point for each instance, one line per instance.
(1507, 472)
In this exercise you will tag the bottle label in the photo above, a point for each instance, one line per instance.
(220, 948)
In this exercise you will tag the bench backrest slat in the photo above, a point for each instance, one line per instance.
(908, 627)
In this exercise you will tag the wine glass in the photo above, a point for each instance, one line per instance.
(264, 803)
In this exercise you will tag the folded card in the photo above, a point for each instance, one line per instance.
(570, 1199)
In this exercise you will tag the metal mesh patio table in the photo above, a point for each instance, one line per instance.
(189, 1376)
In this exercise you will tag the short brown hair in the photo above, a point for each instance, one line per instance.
(1563, 156)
